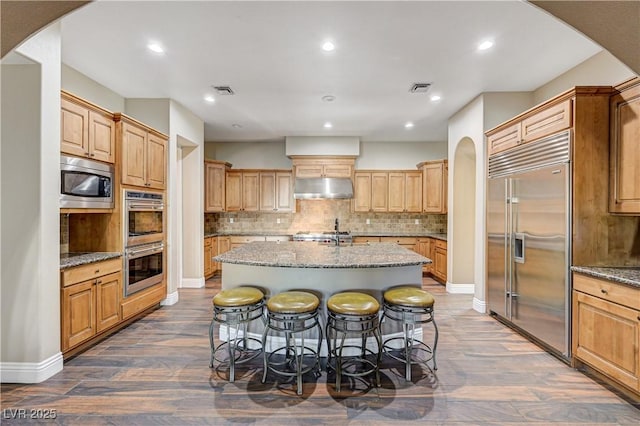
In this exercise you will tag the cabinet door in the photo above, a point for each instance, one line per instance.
(214, 252)
(434, 188)
(504, 139)
(423, 247)
(547, 122)
(362, 192)
(413, 192)
(102, 137)
(108, 293)
(233, 196)
(440, 263)
(214, 187)
(379, 191)
(156, 162)
(309, 170)
(284, 192)
(74, 129)
(625, 152)
(396, 192)
(607, 337)
(267, 191)
(338, 170)
(208, 254)
(78, 314)
(250, 191)
(134, 142)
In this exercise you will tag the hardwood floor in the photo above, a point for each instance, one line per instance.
(156, 371)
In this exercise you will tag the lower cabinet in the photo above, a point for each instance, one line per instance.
(90, 301)
(210, 250)
(439, 270)
(606, 328)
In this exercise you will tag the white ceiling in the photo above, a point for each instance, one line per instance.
(270, 55)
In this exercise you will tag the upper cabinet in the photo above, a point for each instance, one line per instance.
(86, 130)
(434, 186)
(405, 191)
(371, 189)
(215, 185)
(143, 152)
(276, 191)
(624, 188)
(547, 121)
(323, 166)
(242, 192)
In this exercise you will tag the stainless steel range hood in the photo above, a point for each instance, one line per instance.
(320, 188)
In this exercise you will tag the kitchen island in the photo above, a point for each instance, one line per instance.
(323, 269)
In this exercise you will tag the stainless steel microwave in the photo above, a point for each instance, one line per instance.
(85, 184)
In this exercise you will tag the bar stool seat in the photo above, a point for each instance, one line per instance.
(411, 306)
(235, 308)
(292, 313)
(348, 314)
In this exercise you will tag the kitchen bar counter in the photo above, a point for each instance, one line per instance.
(623, 275)
(70, 260)
(438, 236)
(317, 255)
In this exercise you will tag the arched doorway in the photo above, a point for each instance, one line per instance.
(463, 254)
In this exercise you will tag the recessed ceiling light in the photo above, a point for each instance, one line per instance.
(408, 125)
(209, 99)
(155, 48)
(236, 126)
(328, 125)
(487, 44)
(435, 98)
(328, 98)
(328, 46)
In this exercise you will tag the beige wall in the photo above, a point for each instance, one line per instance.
(30, 261)
(79, 84)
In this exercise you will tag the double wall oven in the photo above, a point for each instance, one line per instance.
(144, 224)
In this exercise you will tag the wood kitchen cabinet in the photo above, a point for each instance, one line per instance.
(276, 191)
(215, 185)
(208, 256)
(439, 269)
(425, 247)
(143, 153)
(434, 185)
(323, 166)
(90, 301)
(371, 191)
(554, 118)
(624, 187)
(606, 328)
(224, 245)
(86, 130)
(242, 190)
(405, 191)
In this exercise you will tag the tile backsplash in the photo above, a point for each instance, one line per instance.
(64, 233)
(319, 215)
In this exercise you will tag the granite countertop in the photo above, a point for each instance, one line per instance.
(624, 275)
(69, 260)
(312, 255)
(438, 236)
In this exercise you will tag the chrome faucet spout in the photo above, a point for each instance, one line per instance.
(337, 229)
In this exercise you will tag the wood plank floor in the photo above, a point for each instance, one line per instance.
(156, 372)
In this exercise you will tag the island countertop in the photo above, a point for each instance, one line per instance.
(316, 255)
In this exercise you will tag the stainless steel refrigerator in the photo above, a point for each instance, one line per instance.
(528, 227)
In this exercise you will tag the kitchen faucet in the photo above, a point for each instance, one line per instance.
(337, 230)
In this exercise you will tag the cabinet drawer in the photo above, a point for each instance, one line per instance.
(547, 122)
(403, 241)
(441, 244)
(607, 290)
(137, 303)
(86, 272)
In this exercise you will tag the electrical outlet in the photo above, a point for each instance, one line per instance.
(278, 220)
(368, 222)
(417, 222)
(230, 220)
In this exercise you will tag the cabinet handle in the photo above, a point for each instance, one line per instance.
(86, 153)
(92, 155)
(98, 281)
(603, 291)
(97, 271)
(638, 317)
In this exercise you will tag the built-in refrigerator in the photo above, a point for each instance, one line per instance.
(528, 227)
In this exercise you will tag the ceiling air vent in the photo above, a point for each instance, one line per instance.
(420, 87)
(223, 90)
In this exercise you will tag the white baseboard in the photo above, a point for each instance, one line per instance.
(192, 283)
(30, 372)
(460, 288)
(171, 299)
(479, 305)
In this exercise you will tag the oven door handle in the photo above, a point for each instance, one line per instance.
(135, 253)
(144, 207)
